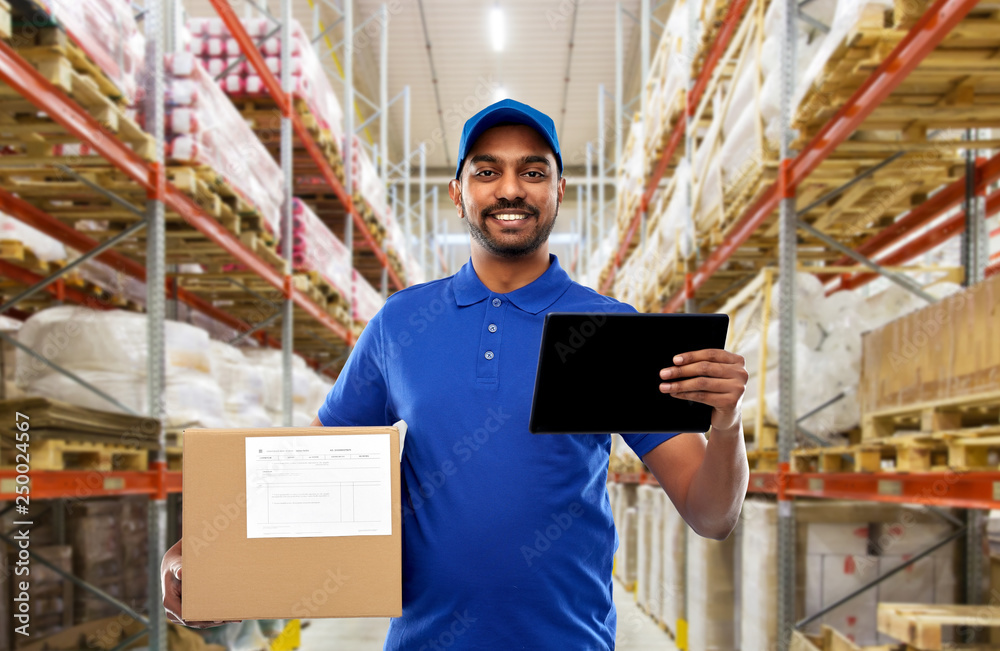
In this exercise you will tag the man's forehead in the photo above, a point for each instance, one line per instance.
(511, 140)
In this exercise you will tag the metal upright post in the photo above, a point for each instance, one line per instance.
(786, 335)
(619, 88)
(579, 200)
(156, 243)
(437, 224)
(689, 53)
(407, 230)
(287, 174)
(423, 211)
(588, 202)
(349, 134)
(601, 169)
(383, 92)
(644, 25)
(975, 257)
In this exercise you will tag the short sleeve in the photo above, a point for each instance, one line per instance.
(642, 444)
(360, 395)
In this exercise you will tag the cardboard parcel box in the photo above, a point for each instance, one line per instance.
(291, 522)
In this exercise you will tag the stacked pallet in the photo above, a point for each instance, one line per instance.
(323, 260)
(735, 153)
(929, 384)
(934, 628)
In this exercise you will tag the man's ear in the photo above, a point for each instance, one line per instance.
(455, 192)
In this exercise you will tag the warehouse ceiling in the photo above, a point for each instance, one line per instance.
(554, 55)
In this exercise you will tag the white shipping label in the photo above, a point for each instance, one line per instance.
(318, 486)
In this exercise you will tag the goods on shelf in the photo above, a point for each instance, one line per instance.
(658, 262)
(316, 248)
(672, 578)
(308, 389)
(204, 128)
(50, 605)
(367, 300)
(647, 540)
(842, 546)
(710, 588)
(934, 370)
(15, 233)
(827, 349)
(109, 539)
(109, 350)
(107, 32)
(668, 76)
(242, 385)
(623, 499)
(220, 53)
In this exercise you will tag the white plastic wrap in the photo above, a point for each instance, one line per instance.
(367, 301)
(316, 248)
(268, 360)
(212, 42)
(242, 385)
(109, 350)
(204, 128)
(44, 247)
(106, 30)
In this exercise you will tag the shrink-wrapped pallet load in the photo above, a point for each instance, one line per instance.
(107, 32)
(204, 128)
(242, 385)
(220, 54)
(645, 546)
(710, 589)
(367, 300)
(109, 350)
(673, 552)
(44, 248)
(316, 248)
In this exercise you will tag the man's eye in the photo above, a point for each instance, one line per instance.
(537, 175)
(485, 172)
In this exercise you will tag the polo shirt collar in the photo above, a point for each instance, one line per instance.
(532, 298)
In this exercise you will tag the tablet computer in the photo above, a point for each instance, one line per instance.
(600, 373)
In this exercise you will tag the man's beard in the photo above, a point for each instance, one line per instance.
(509, 250)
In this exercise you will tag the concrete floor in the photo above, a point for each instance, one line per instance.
(636, 631)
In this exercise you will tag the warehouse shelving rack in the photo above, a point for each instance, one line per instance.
(965, 490)
(159, 483)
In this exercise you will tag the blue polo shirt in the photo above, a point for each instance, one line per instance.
(507, 536)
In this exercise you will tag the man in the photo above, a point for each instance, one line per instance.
(508, 536)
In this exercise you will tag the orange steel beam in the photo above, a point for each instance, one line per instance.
(966, 490)
(253, 55)
(722, 39)
(50, 484)
(932, 27)
(61, 292)
(951, 227)
(647, 196)
(25, 80)
(943, 200)
(718, 48)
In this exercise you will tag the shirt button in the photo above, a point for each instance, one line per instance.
(497, 302)
(489, 354)
(492, 327)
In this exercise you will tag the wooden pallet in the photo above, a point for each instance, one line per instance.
(5, 22)
(57, 454)
(68, 68)
(763, 460)
(948, 415)
(923, 627)
(831, 640)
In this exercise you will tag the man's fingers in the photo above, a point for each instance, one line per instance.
(708, 355)
(711, 385)
(706, 369)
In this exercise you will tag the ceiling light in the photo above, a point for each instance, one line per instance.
(499, 94)
(497, 28)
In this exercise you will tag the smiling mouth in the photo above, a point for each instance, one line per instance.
(509, 217)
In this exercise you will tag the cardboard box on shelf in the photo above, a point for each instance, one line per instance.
(292, 522)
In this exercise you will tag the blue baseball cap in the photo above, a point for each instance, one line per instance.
(507, 111)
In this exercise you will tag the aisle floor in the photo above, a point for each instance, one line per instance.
(636, 631)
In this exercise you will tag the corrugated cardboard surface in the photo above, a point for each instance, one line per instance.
(946, 350)
(227, 576)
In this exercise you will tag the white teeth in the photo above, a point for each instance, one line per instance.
(509, 218)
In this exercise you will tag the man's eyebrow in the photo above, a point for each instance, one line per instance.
(535, 159)
(484, 158)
